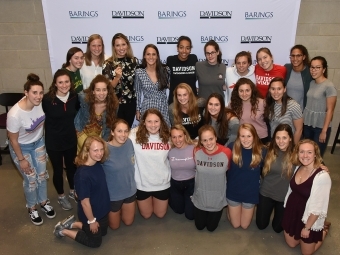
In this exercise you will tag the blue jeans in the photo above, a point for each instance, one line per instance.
(313, 134)
(35, 184)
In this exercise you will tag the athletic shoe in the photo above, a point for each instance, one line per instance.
(35, 218)
(64, 224)
(65, 204)
(72, 196)
(48, 210)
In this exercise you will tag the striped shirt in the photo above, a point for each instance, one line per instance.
(293, 112)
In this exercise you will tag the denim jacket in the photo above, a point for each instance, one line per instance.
(83, 117)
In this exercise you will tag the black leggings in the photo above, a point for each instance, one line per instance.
(264, 210)
(56, 158)
(87, 238)
(180, 197)
(207, 219)
(127, 112)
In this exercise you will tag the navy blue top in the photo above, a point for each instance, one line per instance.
(243, 183)
(90, 182)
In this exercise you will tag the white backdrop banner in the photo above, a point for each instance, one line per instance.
(235, 25)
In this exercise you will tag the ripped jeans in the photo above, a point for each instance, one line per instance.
(35, 184)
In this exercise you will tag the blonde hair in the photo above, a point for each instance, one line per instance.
(88, 55)
(83, 155)
(185, 132)
(193, 111)
(295, 155)
(256, 156)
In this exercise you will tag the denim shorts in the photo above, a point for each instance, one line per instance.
(244, 205)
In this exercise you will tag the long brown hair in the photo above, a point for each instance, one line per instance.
(161, 71)
(256, 156)
(236, 102)
(88, 55)
(222, 118)
(111, 100)
(193, 111)
(274, 150)
(83, 155)
(270, 102)
(114, 125)
(52, 91)
(142, 135)
(70, 54)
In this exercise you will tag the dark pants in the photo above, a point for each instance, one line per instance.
(87, 238)
(264, 210)
(313, 134)
(127, 112)
(207, 219)
(180, 197)
(56, 158)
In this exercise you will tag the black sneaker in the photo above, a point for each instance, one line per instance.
(35, 218)
(48, 210)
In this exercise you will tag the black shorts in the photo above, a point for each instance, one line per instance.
(117, 205)
(161, 194)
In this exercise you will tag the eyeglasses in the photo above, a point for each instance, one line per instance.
(295, 56)
(210, 53)
(315, 68)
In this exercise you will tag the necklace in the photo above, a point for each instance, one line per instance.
(311, 172)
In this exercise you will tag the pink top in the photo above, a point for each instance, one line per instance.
(257, 121)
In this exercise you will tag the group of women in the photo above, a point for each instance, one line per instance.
(183, 147)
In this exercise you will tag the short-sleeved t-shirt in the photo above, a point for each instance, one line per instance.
(295, 88)
(29, 124)
(182, 72)
(293, 112)
(182, 163)
(275, 184)
(90, 182)
(119, 170)
(315, 112)
(263, 77)
(76, 80)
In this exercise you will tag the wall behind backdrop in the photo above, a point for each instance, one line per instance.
(24, 47)
(235, 25)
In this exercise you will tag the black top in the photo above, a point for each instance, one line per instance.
(60, 133)
(182, 71)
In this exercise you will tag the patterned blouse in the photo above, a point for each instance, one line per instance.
(125, 90)
(152, 96)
